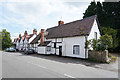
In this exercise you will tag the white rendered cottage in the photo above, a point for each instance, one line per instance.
(28, 38)
(23, 42)
(35, 42)
(16, 42)
(69, 39)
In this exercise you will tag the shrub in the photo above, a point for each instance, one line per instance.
(102, 44)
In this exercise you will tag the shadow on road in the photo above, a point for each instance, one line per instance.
(62, 59)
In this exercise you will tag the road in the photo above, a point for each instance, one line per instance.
(18, 65)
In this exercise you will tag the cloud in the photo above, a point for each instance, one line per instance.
(30, 14)
(42, 14)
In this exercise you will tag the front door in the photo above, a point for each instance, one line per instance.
(60, 50)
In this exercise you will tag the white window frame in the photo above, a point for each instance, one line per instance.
(76, 49)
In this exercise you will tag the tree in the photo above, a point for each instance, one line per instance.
(102, 44)
(113, 33)
(6, 40)
(106, 40)
(108, 15)
(91, 10)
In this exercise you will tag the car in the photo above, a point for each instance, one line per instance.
(28, 51)
(25, 51)
(11, 49)
(7, 49)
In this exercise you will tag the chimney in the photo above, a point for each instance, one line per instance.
(34, 31)
(25, 33)
(60, 23)
(19, 35)
(42, 36)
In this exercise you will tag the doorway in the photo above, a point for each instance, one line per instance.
(60, 50)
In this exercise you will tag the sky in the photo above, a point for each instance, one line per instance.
(16, 16)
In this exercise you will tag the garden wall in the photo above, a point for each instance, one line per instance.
(99, 56)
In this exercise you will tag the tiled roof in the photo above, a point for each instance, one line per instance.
(76, 28)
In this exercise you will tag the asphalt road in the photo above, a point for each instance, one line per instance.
(17, 65)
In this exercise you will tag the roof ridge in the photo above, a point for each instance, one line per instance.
(73, 22)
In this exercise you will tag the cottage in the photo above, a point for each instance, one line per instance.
(35, 42)
(23, 42)
(16, 43)
(69, 39)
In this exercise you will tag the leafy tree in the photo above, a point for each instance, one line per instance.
(91, 10)
(102, 44)
(106, 40)
(113, 32)
(94, 44)
(6, 40)
(109, 17)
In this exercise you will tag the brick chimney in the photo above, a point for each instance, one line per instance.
(34, 31)
(42, 36)
(19, 35)
(25, 34)
(60, 23)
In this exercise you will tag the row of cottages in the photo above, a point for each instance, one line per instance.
(23, 42)
(67, 39)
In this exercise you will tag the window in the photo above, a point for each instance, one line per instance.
(48, 48)
(76, 49)
(95, 35)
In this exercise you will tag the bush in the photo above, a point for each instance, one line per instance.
(102, 44)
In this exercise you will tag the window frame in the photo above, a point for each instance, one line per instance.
(95, 35)
(48, 48)
(76, 48)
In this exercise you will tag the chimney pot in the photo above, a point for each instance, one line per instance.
(25, 33)
(60, 23)
(34, 31)
(19, 35)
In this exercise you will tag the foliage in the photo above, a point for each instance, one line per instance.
(112, 57)
(6, 40)
(87, 43)
(102, 44)
(101, 47)
(91, 10)
(113, 32)
(106, 40)
(94, 44)
(108, 15)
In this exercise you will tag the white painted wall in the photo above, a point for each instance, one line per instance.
(67, 46)
(93, 30)
(17, 44)
(25, 43)
(21, 44)
(41, 50)
(70, 42)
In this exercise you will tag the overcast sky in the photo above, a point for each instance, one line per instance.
(16, 16)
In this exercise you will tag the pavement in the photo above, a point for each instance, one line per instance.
(19, 65)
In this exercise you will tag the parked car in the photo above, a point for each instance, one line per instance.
(11, 49)
(7, 49)
(28, 51)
